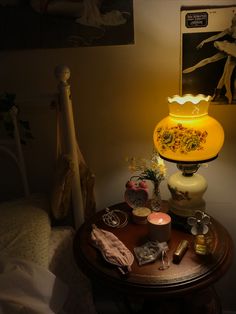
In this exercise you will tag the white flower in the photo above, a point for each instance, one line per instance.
(199, 222)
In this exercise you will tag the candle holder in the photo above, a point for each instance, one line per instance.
(159, 227)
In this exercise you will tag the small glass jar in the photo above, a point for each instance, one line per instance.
(202, 244)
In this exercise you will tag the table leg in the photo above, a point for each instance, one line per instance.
(200, 302)
(204, 302)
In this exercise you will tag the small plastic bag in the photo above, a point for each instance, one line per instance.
(148, 252)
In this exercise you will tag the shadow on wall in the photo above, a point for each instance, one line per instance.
(11, 186)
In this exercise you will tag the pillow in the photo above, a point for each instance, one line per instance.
(24, 231)
(61, 192)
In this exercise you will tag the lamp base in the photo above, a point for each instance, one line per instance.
(187, 189)
(179, 222)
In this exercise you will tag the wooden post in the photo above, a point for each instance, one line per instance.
(20, 159)
(63, 74)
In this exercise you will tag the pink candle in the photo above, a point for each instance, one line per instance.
(159, 218)
(159, 226)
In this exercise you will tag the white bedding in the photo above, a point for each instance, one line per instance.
(26, 287)
(32, 258)
(25, 230)
(62, 264)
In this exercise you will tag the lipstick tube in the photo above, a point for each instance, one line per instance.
(180, 251)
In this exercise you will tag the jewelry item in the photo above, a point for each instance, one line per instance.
(164, 261)
(115, 218)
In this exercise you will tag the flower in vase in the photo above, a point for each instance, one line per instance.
(152, 169)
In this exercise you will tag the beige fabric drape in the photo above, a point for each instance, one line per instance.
(62, 190)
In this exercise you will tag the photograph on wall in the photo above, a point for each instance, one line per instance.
(208, 52)
(29, 24)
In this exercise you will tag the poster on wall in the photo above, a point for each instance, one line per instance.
(29, 24)
(208, 52)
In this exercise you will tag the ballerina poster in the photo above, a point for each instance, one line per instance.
(208, 52)
(29, 24)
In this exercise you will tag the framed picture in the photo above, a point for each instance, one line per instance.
(208, 52)
(29, 24)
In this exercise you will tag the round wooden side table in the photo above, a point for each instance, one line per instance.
(188, 285)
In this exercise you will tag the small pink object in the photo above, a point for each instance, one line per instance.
(143, 184)
(136, 193)
(130, 184)
(113, 250)
(159, 226)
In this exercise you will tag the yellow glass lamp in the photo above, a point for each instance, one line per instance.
(188, 136)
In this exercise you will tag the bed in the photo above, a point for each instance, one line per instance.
(38, 273)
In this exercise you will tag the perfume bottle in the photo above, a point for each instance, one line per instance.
(202, 244)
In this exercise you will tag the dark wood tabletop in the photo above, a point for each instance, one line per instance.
(193, 273)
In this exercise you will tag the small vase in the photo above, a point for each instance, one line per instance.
(155, 202)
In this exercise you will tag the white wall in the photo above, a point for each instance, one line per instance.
(119, 94)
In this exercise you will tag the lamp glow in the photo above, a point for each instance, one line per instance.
(188, 136)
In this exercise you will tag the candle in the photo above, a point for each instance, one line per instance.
(140, 215)
(159, 226)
